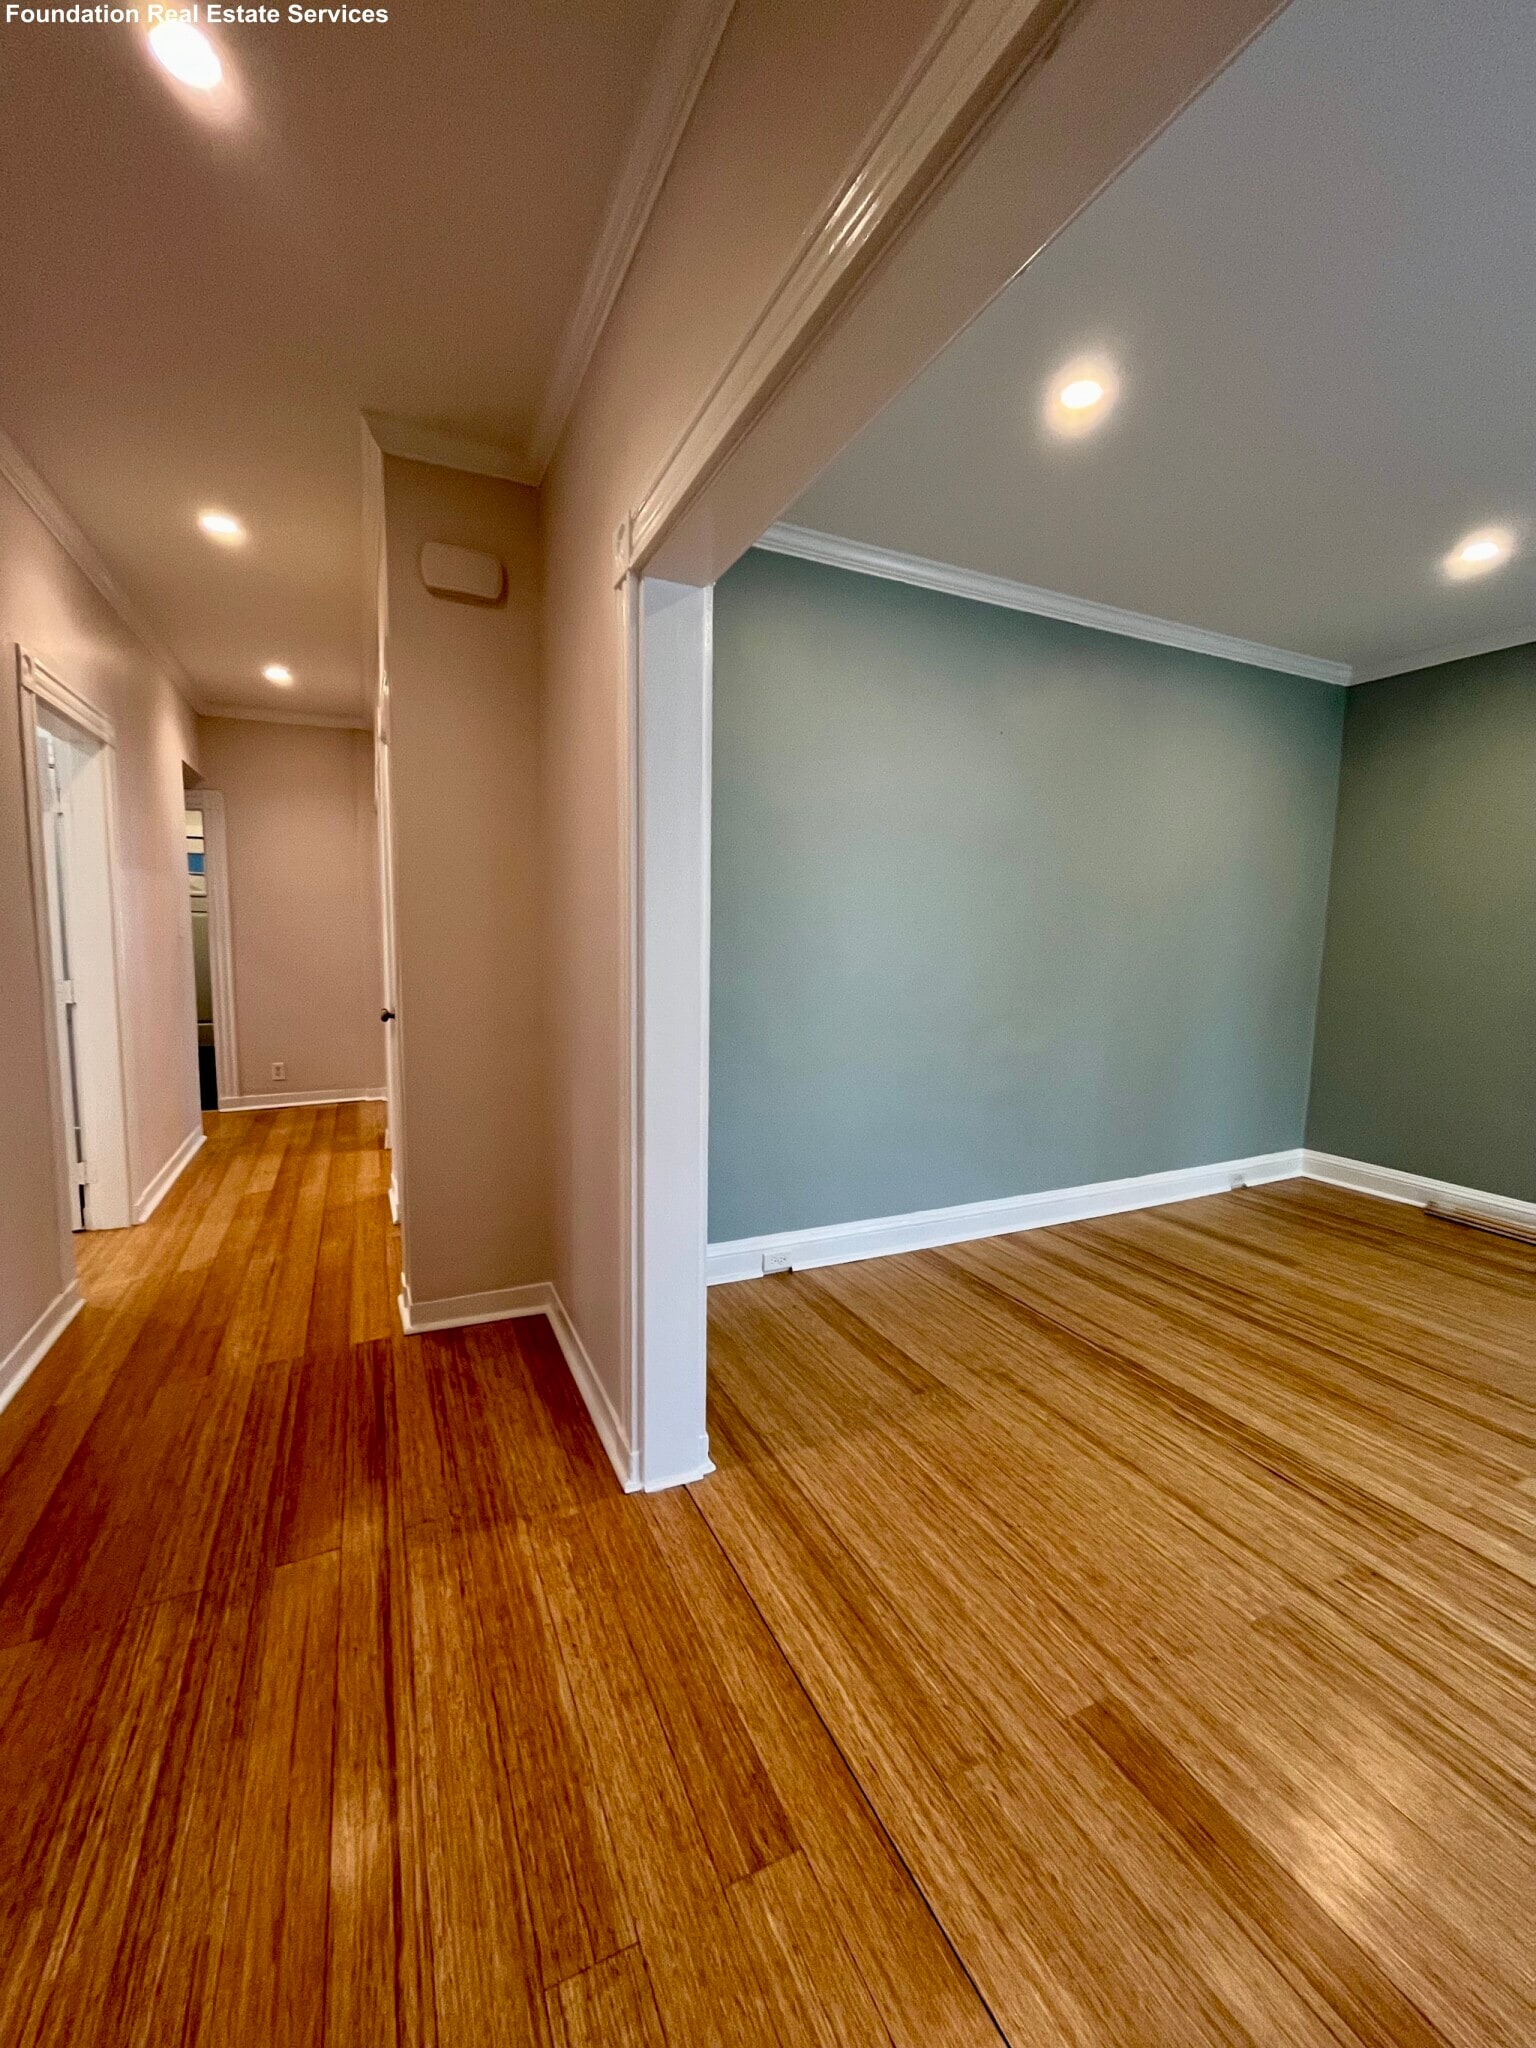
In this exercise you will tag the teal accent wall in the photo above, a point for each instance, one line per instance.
(1000, 904)
(1426, 1036)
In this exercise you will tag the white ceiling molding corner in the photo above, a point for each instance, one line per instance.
(39, 499)
(864, 560)
(414, 442)
(682, 64)
(1466, 650)
(977, 51)
(260, 715)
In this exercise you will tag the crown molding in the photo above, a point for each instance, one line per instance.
(866, 560)
(977, 53)
(682, 64)
(72, 538)
(1466, 650)
(414, 442)
(260, 715)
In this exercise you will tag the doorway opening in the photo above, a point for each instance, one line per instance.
(68, 757)
(218, 1057)
(202, 977)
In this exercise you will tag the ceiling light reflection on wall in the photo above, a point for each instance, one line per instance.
(1081, 396)
(186, 53)
(223, 527)
(1474, 555)
(276, 673)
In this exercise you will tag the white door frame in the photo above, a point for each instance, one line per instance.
(383, 798)
(221, 955)
(1015, 114)
(669, 632)
(107, 1105)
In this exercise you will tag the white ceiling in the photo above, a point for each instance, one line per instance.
(1319, 287)
(400, 221)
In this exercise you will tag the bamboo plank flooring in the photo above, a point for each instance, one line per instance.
(1116, 1635)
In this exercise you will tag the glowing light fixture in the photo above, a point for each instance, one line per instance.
(223, 527)
(1474, 555)
(1081, 396)
(187, 54)
(276, 673)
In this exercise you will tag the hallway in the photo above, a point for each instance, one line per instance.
(318, 1719)
(343, 1698)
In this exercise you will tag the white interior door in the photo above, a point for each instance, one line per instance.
(76, 900)
(55, 860)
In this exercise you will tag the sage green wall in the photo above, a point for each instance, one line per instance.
(1426, 1037)
(1000, 904)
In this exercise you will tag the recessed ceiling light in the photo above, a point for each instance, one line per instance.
(187, 54)
(223, 527)
(1474, 555)
(276, 673)
(1081, 396)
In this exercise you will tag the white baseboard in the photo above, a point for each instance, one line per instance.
(605, 1417)
(839, 1243)
(458, 1311)
(394, 1199)
(1393, 1185)
(302, 1098)
(168, 1175)
(34, 1344)
(541, 1297)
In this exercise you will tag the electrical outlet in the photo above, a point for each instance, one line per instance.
(778, 1262)
(1238, 1184)
(279, 1070)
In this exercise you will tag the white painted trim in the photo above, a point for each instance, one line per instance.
(110, 1205)
(864, 559)
(262, 714)
(394, 1199)
(1467, 650)
(301, 1098)
(838, 1244)
(977, 52)
(1391, 1184)
(605, 1417)
(71, 537)
(33, 1345)
(52, 689)
(162, 1183)
(672, 687)
(459, 1311)
(413, 442)
(688, 49)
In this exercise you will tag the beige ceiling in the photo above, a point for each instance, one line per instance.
(1319, 287)
(399, 221)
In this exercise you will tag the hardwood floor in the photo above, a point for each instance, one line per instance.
(1120, 1634)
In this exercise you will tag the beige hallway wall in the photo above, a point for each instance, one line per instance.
(48, 606)
(304, 903)
(734, 207)
(469, 870)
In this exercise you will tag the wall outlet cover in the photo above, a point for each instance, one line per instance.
(778, 1262)
(279, 1070)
